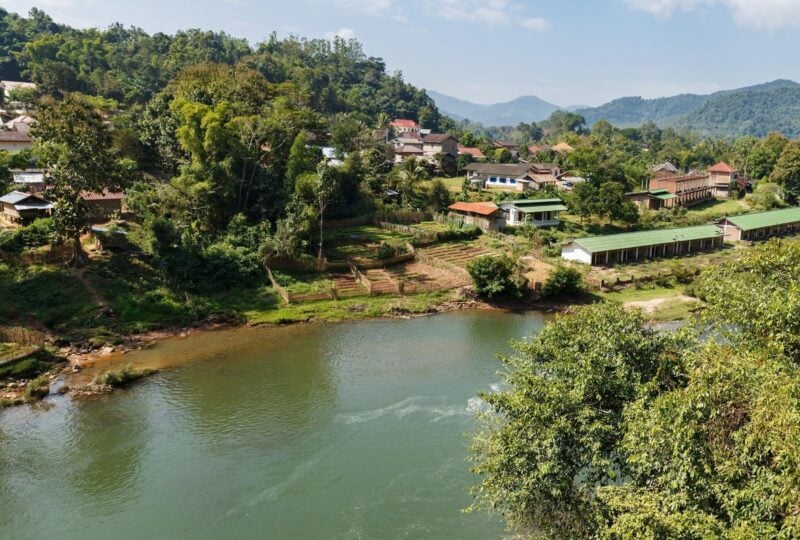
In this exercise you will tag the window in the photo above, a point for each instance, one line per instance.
(512, 181)
(502, 180)
(493, 179)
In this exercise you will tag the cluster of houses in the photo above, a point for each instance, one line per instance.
(669, 187)
(28, 199)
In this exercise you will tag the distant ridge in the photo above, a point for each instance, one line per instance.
(753, 110)
(524, 109)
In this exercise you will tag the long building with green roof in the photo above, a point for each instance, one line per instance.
(762, 225)
(643, 245)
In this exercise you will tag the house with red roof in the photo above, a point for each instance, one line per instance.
(485, 215)
(473, 151)
(722, 177)
(405, 127)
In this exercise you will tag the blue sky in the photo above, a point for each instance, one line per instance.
(565, 51)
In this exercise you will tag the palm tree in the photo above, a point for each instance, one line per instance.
(411, 172)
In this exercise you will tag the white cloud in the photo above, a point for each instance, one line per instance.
(371, 7)
(536, 23)
(344, 33)
(487, 12)
(762, 14)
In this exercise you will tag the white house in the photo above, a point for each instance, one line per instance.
(535, 212)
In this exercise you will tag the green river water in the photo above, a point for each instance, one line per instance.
(351, 430)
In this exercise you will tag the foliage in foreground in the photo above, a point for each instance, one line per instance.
(611, 429)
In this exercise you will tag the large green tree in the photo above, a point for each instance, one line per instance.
(74, 145)
(787, 170)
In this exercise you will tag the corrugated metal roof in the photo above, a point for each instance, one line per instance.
(543, 208)
(748, 222)
(664, 196)
(647, 238)
(14, 197)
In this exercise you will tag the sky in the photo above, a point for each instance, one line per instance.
(568, 52)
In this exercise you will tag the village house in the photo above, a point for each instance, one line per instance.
(689, 189)
(20, 207)
(644, 245)
(6, 87)
(439, 143)
(12, 140)
(475, 152)
(534, 212)
(723, 176)
(761, 225)
(512, 176)
(405, 127)
(30, 180)
(105, 204)
(512, 148)
(535, 149)
(653, 199)
(563, 149)
(665, 169)
(487, 216)
(21, 123)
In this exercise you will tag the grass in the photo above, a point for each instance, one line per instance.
(38, 388)
(118, 378)
(713, 209)
(632, 294)
(674, 310)
(351, 308)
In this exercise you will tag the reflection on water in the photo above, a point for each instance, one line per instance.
(352, 430)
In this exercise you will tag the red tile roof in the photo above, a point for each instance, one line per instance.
(472, 151)
(400, 123)
(482, 209)
(721, 167)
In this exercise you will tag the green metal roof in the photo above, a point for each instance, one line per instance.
(658, 237)
(528, 202)
(664, 196)
(658, 191)
(543, 208)
(748, 222)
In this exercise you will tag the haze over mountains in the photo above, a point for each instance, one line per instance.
(754, 110)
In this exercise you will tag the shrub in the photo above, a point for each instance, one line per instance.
(38, 388)
(681, 273)
(496, 276)
(564, 281)
(117, 378)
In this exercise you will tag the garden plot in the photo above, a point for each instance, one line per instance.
(363, 242)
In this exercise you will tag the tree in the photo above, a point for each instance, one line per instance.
(611, 201)
(554, 435)
(767, 195)
(583, 200)
(754, 301)
(302, 159)
(439, 196)
(787, 171)
(564, 281)
(326, 187)
(714, 458)
(411, 172)
(495, 276)
(74, 146)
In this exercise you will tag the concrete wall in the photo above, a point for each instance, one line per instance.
(574, 252)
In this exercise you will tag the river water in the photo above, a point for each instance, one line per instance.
(351, 430)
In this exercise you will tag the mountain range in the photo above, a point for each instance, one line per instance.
(753, 110)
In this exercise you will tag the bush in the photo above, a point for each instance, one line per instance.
(564, 281)
(38, 388)
(117, 378)
(467, 232)
(496, 276)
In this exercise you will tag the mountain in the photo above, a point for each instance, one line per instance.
(754, 110)
(524, 109)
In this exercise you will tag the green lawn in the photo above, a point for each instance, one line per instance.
(632, 294)
(715, 209)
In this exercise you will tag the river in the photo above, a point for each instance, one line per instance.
(350, 430)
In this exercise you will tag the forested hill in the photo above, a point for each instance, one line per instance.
(755, 110)
(130, 66)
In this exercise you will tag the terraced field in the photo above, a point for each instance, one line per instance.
(458, 255)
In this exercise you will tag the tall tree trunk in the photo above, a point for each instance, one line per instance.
(79, 257)
(321, 222)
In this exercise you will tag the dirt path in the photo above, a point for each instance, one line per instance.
(97, 298)
(650, 306)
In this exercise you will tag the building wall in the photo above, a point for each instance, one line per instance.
(573, 252)
(15, 146)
